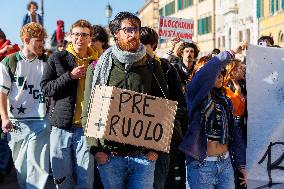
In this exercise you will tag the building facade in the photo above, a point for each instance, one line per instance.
(203, 14)
(271, 19)
(236, 21)
(149, 14)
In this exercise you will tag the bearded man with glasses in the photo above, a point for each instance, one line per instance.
(125, 65)
(64, 82)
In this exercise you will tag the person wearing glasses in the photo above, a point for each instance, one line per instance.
(64, 82)
(125, 65)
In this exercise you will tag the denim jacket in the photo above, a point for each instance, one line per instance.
(194, 143)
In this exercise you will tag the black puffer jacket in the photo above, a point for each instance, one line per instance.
(183, 71)
(57, 83)
(176, 94)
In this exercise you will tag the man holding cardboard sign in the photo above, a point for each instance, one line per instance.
(125, 66)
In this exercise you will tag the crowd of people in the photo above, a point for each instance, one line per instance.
(45, 99)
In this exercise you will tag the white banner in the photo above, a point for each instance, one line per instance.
(170, 27)
(265, 87)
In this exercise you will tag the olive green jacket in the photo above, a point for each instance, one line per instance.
(138, 78)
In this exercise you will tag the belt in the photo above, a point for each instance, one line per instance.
(220, 157)
(131, 153)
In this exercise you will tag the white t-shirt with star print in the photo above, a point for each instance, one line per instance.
(25, 100)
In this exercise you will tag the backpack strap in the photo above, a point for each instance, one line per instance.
(12, 65)
(151, 66)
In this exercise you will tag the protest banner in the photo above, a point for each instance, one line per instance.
(265, 97)
(170, 27)
(129, 117)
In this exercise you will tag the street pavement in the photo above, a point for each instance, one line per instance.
(10, 182)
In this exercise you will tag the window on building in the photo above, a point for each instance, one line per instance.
(170, 8)
(280, 38)
(230, 38)
(182, 4)
(260, 8)
(161, 41)
(274, 6)
(223, 42)
(205, 25)
(248, 36)
(161, 12)
(240, 36)
(271, 5)
(282, 4)
(219, 42)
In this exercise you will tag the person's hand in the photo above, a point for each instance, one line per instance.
(78, 72)
(236, 85)
(243, 179)
(152, 156)
(174, 41)
(7, 126)
(243, 46)
(101, 158)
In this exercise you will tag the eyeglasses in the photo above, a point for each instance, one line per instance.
(83, 35)
(128, 30)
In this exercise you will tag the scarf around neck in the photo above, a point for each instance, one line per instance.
(103, 67)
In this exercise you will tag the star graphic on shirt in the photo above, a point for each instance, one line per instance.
(11, 108)
(21, 109)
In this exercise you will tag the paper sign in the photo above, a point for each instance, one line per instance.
(265, 93)
(129, 117)
(170, 27)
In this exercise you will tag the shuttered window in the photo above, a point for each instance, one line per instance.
(170, 8)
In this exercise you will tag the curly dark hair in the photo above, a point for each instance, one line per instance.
(149, 36)
(115, 24)
(100, 34)
(32, 3)
(188, 45)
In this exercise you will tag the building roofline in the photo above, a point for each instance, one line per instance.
(144, 6)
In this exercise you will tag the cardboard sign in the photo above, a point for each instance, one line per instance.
(265, 93)
(129, 117)
(170, 27)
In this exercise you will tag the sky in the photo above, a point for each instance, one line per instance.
(13, 11)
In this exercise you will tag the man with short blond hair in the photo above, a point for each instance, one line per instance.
(64, 82)
(23, 108)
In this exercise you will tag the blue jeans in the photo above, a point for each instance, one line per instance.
(210, 174)
(127, 172)
(29, 144)
(71, 162)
